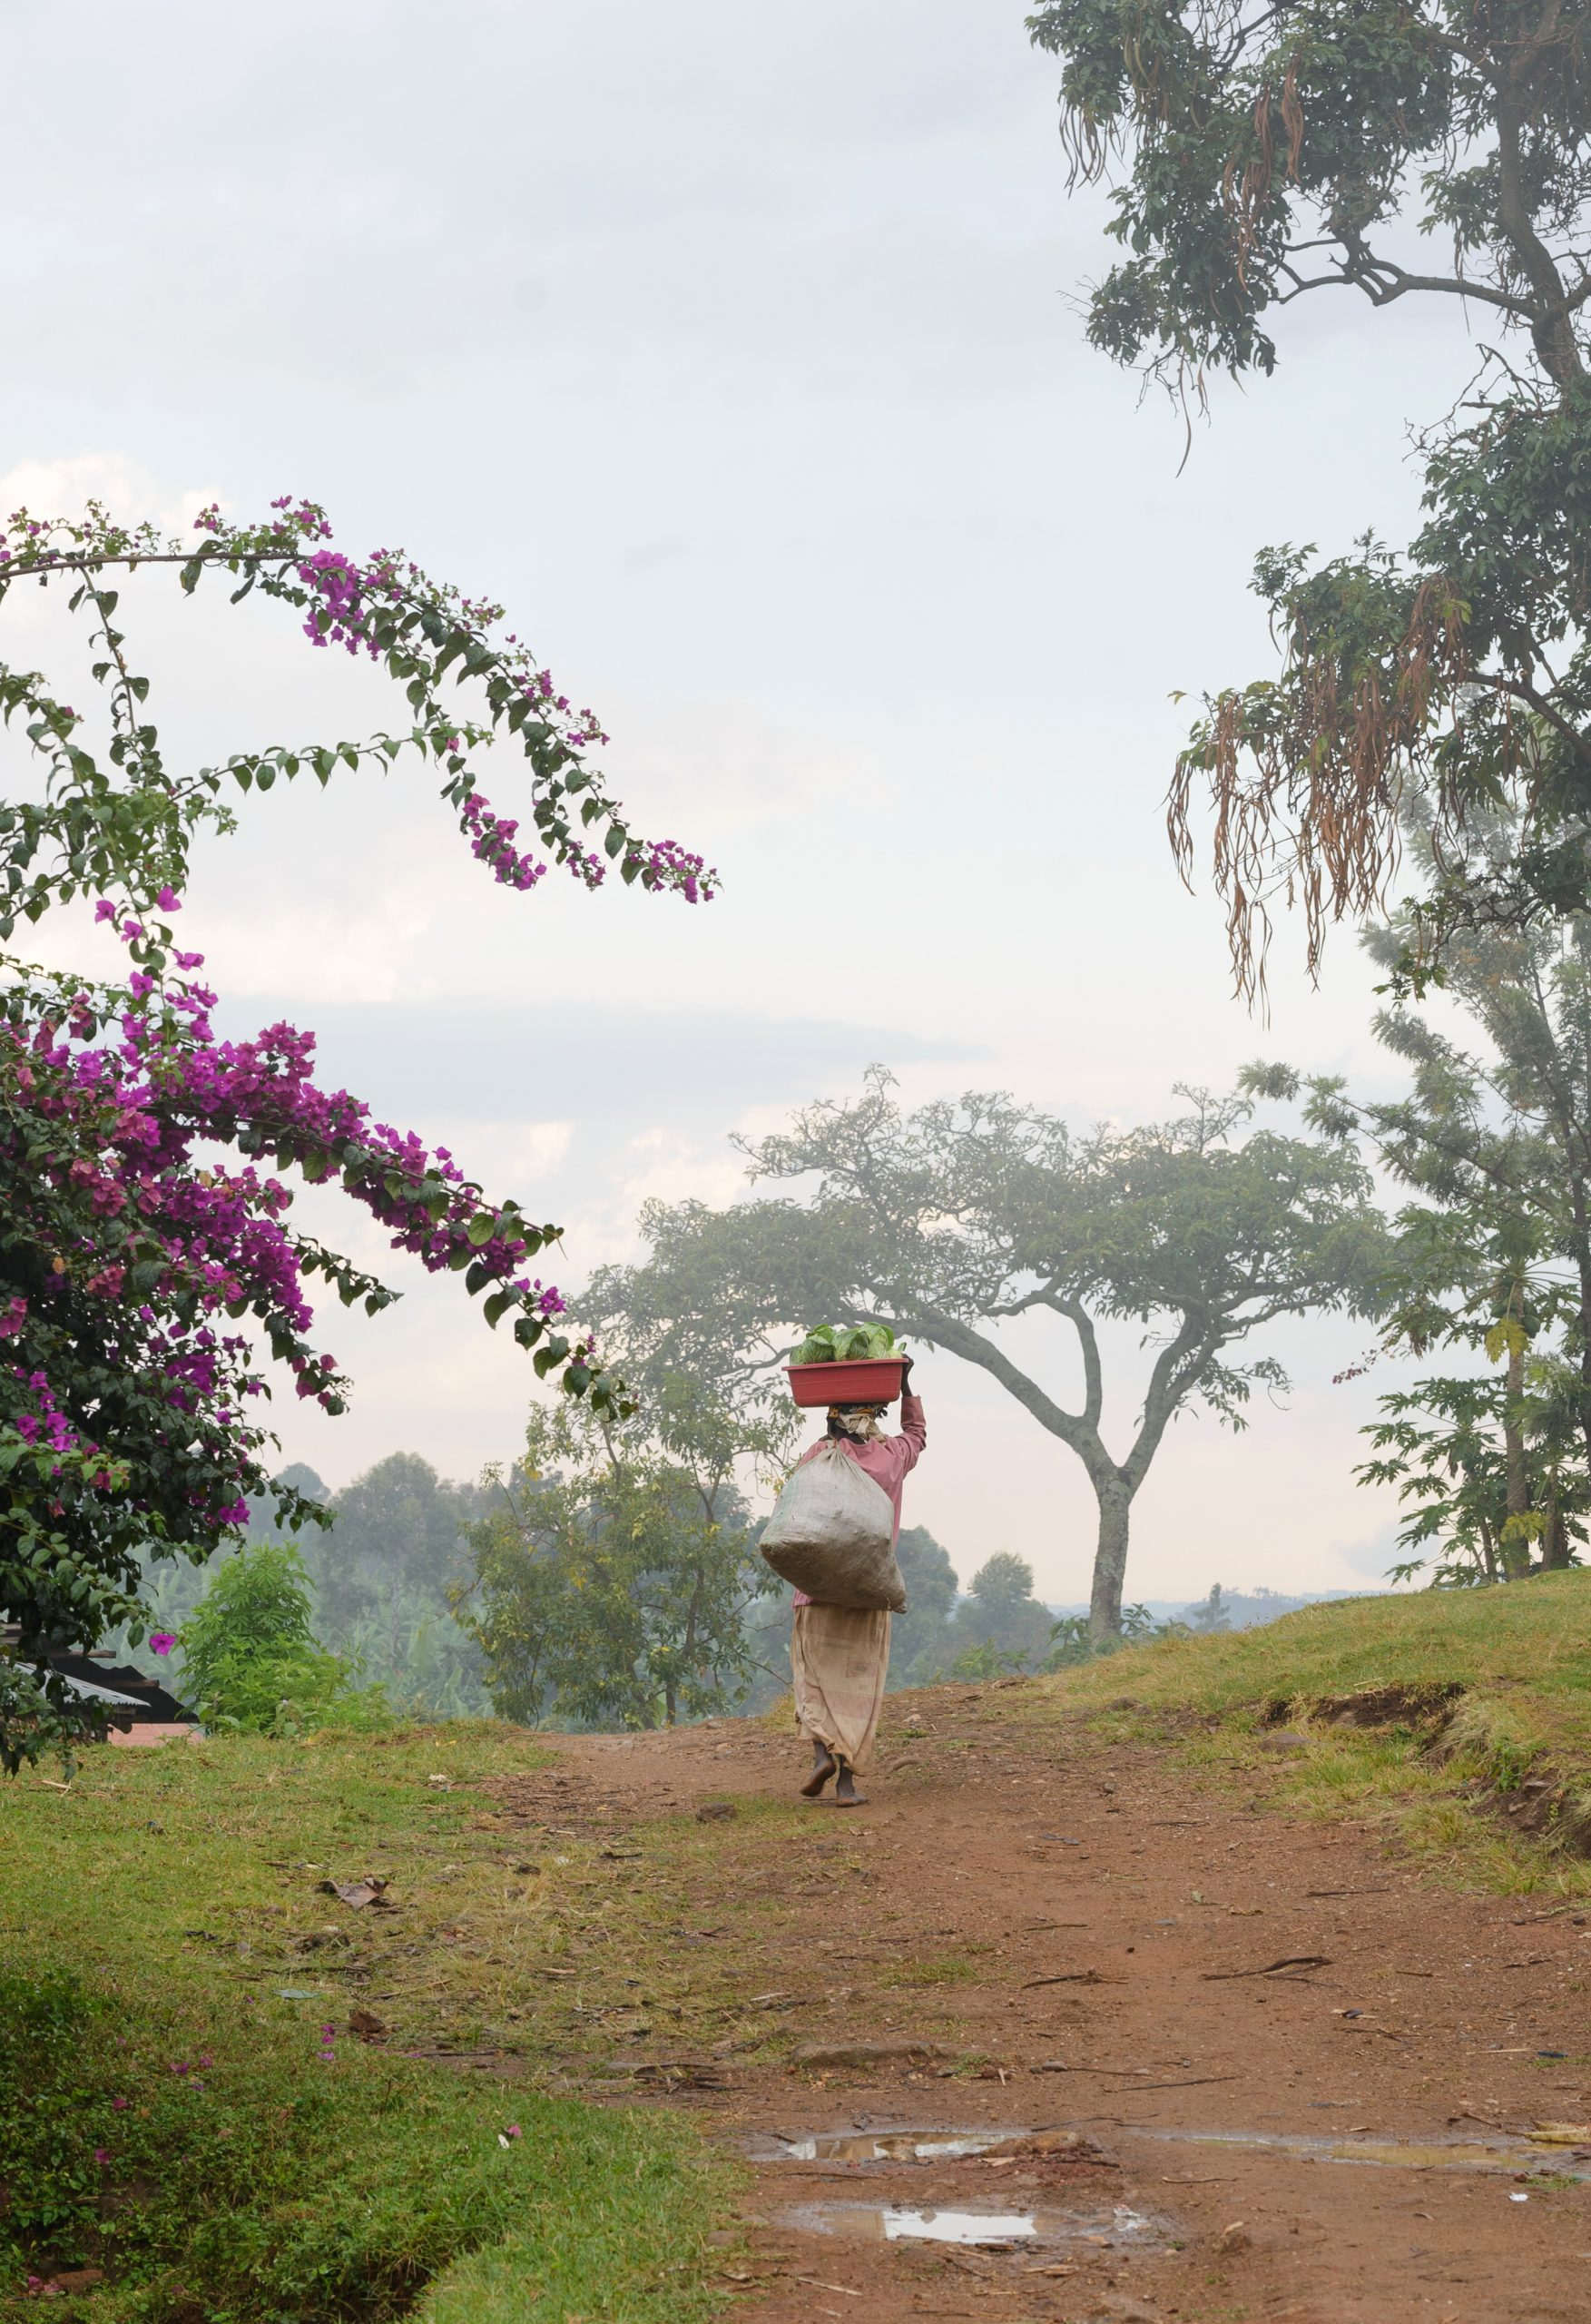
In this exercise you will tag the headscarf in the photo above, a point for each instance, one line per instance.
(860, 1422)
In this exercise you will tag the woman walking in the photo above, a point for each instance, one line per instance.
(840, 1654)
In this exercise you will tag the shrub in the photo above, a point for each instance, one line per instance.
(252, 1662)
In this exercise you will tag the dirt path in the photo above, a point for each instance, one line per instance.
(1100, 1930)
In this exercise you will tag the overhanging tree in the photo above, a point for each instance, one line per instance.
(1492, 1140)
(141, 1217)
(1262, 156)
(961, 1217)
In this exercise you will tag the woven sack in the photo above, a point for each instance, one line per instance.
(832, 1534)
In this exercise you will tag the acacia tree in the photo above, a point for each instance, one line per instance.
(140, 1215)
(957, 1219)
(1262, 156)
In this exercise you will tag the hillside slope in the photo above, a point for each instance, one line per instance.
(1482, 1696)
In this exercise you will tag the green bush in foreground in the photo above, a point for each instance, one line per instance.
(266, 2168)
(250, 1660)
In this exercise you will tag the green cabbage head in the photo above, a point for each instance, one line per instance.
(848, 1344)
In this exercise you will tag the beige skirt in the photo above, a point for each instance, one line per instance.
(839, 1657)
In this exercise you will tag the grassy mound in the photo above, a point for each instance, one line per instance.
(192, 2133)
(1432, 1706)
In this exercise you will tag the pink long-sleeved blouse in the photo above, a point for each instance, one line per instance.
(887, 1459)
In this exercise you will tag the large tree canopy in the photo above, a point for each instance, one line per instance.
(949, 1222)
(1262, 156)
(142, 1213)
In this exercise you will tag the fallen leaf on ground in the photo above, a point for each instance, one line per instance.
(355, 1893)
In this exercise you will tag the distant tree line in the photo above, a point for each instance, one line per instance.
(587, 1585)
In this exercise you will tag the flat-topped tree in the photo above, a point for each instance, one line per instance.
(949, 1222)
(1261, 156)
(141, 1219)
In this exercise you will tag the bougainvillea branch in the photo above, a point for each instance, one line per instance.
(143, 1216)
(121, 822)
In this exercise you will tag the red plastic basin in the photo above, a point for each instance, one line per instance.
(875, 1381)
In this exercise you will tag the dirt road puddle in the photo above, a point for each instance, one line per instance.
(1042, 2227)
(880, 2146)
(1047, 2145)
(1397, 2155)
(1053, 2145)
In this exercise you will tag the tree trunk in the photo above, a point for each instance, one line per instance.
(1489, 1553)
(1583, 1266)
(1110, 1557)
(1516, 1547)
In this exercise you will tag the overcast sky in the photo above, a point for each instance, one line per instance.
(738, 352)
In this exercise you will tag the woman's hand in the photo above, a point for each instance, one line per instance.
(906, 1378)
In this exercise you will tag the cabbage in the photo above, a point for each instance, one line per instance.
(848, 1344)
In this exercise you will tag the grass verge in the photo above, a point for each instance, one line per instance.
(1461, 1717)
(191, 2135)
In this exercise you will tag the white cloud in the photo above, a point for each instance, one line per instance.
(62, 488)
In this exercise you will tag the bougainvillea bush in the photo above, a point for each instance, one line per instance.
(145, 1165)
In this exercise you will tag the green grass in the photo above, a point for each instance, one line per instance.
(1485, 1763)
(165, 1947)
(1536, 1634)
(948, 1969)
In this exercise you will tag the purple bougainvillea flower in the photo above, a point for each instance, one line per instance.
(161, 1641)
(102, 2154)
(514, 2131)
(121, 2104)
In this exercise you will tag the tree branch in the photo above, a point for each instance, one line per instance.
(1523, 691)
(1073, 1429)
(1382, 281)
(1088, 1340)
(1169, 1384)
(1550, 327)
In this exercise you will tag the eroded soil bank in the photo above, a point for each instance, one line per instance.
(1273, 2071)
